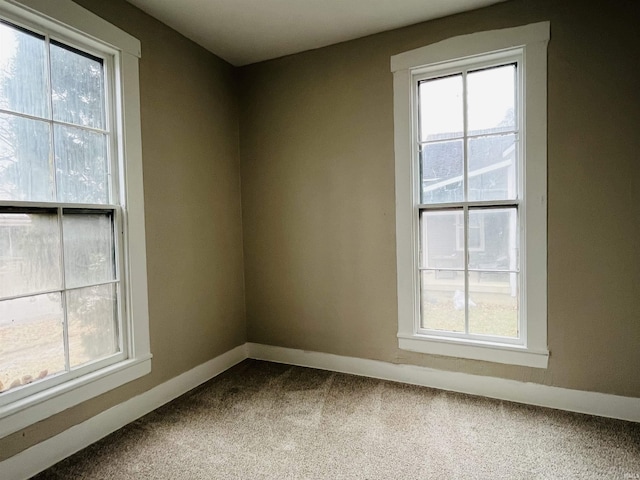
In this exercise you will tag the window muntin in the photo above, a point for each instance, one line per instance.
(61, 299)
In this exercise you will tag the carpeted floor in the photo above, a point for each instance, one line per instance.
(261, 420)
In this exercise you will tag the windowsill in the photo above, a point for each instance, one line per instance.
(475, 350)
(34, 408)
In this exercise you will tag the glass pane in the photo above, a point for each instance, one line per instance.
(493, 239)
(29, 253)
(493, 162)
(23, 73)
(88, 248)
(77, 83)
(441, 241)
(93, 333)
(81, 165)
(491, 100)
(442, 300)
(26, 172)
(31, 339)
(440, 108)
(493, 304)
(441, 166)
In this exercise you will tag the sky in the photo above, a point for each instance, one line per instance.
(490, 95)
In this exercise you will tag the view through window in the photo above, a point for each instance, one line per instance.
(59, 267)
(469, 199)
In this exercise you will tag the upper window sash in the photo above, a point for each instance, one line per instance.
(463, 67)
(102, 126)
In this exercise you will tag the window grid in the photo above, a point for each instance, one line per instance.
(63, 209)
(466, 204)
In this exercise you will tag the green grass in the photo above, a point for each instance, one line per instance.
(484, 318)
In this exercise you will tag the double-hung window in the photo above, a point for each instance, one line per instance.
(73, 314)
(470, 126)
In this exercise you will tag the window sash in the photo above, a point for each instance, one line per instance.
(463, 68)
(108, 60)
(113, 206)
(69, 372)
(422, 266)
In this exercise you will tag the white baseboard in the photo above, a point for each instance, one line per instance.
(600, 404)
(41, 456)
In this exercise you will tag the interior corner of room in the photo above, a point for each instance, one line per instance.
(270, 218)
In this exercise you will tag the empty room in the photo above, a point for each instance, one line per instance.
(319, 239)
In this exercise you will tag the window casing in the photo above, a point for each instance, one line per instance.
(470, 130)
(73, 293)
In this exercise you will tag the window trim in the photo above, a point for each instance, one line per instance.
(532, 40)
(71, 22)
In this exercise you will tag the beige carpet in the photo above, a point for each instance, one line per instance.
(262, 420)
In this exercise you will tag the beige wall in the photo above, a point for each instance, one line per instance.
(193, 214)
(318, 207)
(318, 195)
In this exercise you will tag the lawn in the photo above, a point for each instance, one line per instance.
(484, 319)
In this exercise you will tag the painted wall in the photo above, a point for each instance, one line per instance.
(318, 214)
(318, 195)
(193, 214)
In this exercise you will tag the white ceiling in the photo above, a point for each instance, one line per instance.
(248, 31)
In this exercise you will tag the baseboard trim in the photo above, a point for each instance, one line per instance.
(592, 403)
(41, 456)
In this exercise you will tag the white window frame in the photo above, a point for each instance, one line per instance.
(531, 40)
(67, 20)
